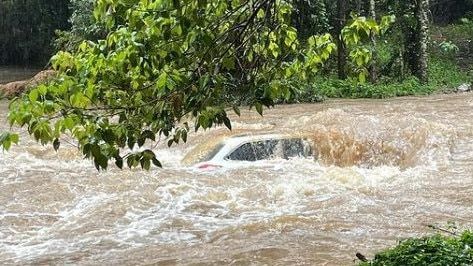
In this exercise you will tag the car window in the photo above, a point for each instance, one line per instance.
(296, 148)
(272, 148)
(243, 153)
(210, 154)
(254, 151)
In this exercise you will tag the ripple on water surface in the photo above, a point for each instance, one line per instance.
(383, 172)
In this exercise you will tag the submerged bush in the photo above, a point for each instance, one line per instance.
(431, 250)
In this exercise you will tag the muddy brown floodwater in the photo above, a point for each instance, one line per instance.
(387, 169)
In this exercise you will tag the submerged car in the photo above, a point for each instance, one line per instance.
(233, 150)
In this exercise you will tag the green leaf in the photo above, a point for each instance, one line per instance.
(87, 150)
(119, 162)
(14, 138)
(131, 141)
(6, 144)
(5, 140)
(287, 41)
(177, 30)
(170, 142)
(100, 162)
(184, 135)
(227, 122)
(359, 61)
(56, 144)
(311, 41)
(236, 110)
(291, 36)
(33, 95)
(259, 108)
(362, 77)
(83, 46)
(145, 163)
(148, 134)
(69, 123)
(162, 80)
(108, 135)
(260, 14)
(148, 154)
(274, 48)
(156, 162)
(141, 141)
(132, 160)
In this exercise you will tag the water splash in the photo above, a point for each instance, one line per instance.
(344, 139)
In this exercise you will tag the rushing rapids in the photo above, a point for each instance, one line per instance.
(386, 169)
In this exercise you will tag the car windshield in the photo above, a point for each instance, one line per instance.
(271, 148)
(203, 153)
(211, 153)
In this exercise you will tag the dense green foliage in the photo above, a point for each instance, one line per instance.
(83, 26)
(160, 63)
(27, 30)
(27, 26)
(445, 76)
(432, 250)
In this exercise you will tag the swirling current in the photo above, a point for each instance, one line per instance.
(385, 170)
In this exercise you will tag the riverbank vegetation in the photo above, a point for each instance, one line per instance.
(131, 71)
(32, 30)
(438, 249)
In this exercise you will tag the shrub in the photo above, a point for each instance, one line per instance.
(444, 76)
(431, 250)
(321, 88)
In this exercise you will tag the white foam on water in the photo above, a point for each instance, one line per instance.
(58, 207)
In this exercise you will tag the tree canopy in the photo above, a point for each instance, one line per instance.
(161, 63)
(131, 71)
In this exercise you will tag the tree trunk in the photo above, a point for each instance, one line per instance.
(421, 12)
(342, 59)
(373, 70)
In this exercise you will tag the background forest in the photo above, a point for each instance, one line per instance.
(31, 31)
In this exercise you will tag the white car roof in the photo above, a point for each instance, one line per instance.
(223, 145)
